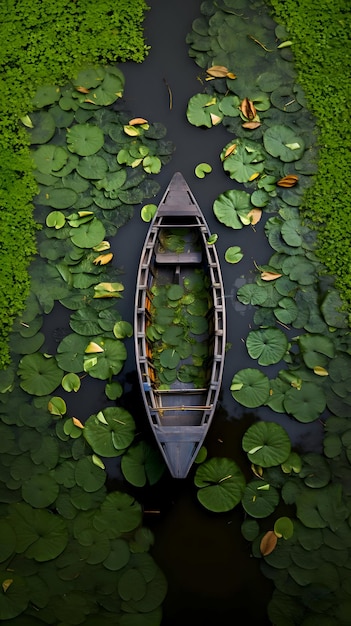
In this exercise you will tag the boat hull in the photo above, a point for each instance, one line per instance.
(179, 411)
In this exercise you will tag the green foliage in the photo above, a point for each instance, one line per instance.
(45, 44)
(323, 70)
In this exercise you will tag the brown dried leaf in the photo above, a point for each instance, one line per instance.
(270, 276)
(254, 215)
(248, 109)
(215, 119)
(251, 125)
(137, 120)
(217, 71)
(77, 422)
(268, 542)
(230, 150)
(288, 181)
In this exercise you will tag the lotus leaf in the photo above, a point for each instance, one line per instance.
(243, 159)
(119, 555)
(251, 293)
(84, 139)
(260, 499)
(40, 491)
(268, 345)
(142, 464)
(113, 390)
(113, 437)
(39, 375)
(109, 361)
(71, 382)
(282, 142)
(15, 595)
(88, 475)
(41, 535)
(50, 158)
(233, 254)
(93, 167)
(300, 269)
(200, 108)
(267, 444)
(43, 127)
(70, 353)
(316, 349)
(46, 95)
(221, 484)
(287, 310)
(331, 309)
(88, 235)
(315, 470)
(250, 387)
(231, 206)
(305, 404)
(119, 513)
(109, 90)
(55, 219)
(86, 322)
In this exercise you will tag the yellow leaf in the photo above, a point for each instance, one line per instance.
(255, 216)
(77, 422)
(215, 119)
(90, 101)
(270, 276)
(104, 245)
(6, 584)
(255, 175)
(82, 89)
(93, 347)
(136, 162)
(131, 130)
(103, 259)
(268, 542)
(231, 75)
(320, 371)
(217, 71)
(137, 120)
(251, 125)
(230, 150)
(211, 102)
(257, 470)
(97, 461)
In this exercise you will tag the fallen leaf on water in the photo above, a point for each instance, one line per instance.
(268, 542)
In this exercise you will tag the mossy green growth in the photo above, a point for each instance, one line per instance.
(320, 34)
(45, 44)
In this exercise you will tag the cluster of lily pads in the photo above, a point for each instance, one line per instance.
(71, 551)
(249, 87)
(178, 317)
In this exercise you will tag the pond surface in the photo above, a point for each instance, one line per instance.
(211, 574)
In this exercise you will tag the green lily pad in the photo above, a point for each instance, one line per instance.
(110, 431)
(71, 382)
(46, 95)
(202, 169)
(233, 254)
(199, 110)
(39, 375)
(266, 444)
(70, 353)
(119, 555)
(281, 141)
(268, 345)
(43, 128)
(50, 158)
(231, 206)
(284, 527)
(93, 167)
(88, 235)
(119, 513)
(148, 211)
(242, 159)
(260, 498)
(305, 404)
(221, 484)
(85, 139)
(111, 88)
(142, 464)
(40, 534)
(40, 491)
(109, 361)
(14, 597)
(88, 475)
(250, 387)
(169, 358)
(7, 540)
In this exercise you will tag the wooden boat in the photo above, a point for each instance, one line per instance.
(179, 358)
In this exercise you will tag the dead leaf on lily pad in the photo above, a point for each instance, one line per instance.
(270, 276)
(82, 89)
(77, 422)
(103, 259)
(217, 71)
(248, 108)
(215, 119)
(6, 584)
(320, 371)
(251, 125)
(137, 120)
(93, 347)
(230, 150)
(254, 215)
(288, 181)
(268, 542)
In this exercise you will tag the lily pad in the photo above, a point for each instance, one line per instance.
(88, 235)
(142, 464)
(268, 345)
(50, 158)
(282, 142)
(39, 375)
(200, 108)
(40, 534)
(221, 484)
(233, 254)
(266, 444)
(93, 167)
(14, 597)
(107, 362)
(148, 211)
(250, 387)
(231, 207)
(110, 431)
(84, 139)
(305, 404)
(260, 498)
(243, 159)
(40, 491)
(202, 169)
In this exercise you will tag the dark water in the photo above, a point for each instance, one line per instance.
(212, 577)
